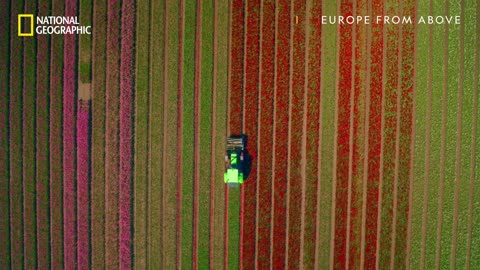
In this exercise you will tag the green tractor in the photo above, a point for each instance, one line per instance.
(234, 158)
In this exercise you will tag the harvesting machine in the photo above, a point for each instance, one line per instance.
(234, 158)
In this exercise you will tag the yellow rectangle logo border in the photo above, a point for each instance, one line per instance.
(20, 16)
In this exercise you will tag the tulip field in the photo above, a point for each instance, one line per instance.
(364, 137)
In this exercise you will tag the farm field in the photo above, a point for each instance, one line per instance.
(364, 138)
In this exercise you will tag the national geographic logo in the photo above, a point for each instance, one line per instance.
(50, 25)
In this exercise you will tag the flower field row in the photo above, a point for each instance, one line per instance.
(265, 131)
(250, 127)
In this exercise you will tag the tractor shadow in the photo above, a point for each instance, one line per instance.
(247, 160)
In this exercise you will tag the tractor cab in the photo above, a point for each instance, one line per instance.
(234, 158)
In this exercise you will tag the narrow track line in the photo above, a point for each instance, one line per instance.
(140, 186)
(366, 138)
(274, 133)
(380, 184)
(443, 145)
(213, 141)
(306, 28)
(289, 140)
(242, 128)
(259, 123)
(181, 32)
(397, 144)
(149, 143)
(351, 140)
(473, 145)
(428, 139)
(196, 120)
(229, 78)
(458, 149)
(335, 140)
(164, 139)
(412, 148)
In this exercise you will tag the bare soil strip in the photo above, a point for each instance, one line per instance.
(4, 142)
(473, 155)
(98, 135)
(141, 123)
(111, 136)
